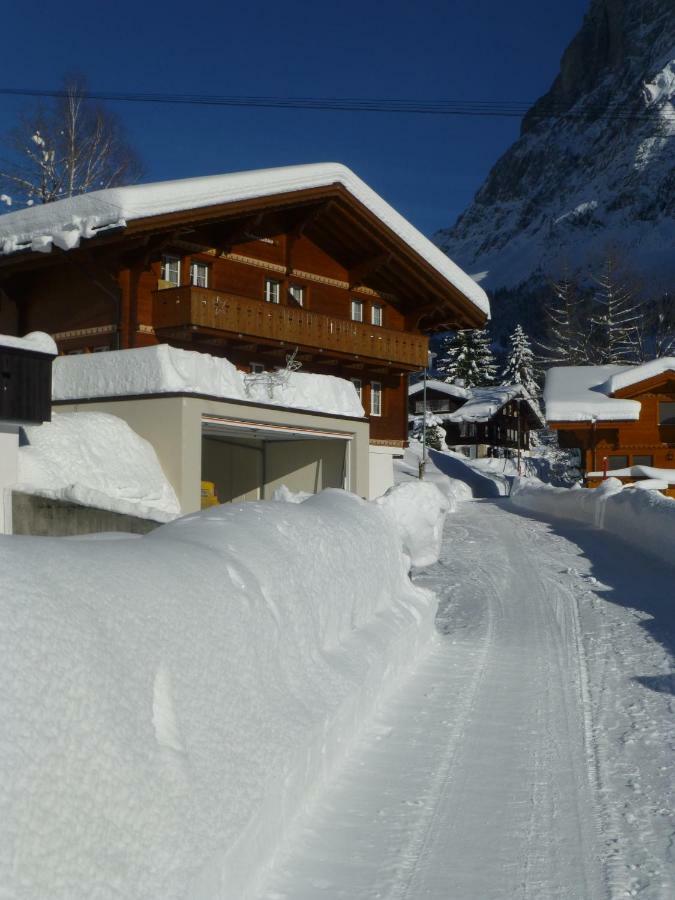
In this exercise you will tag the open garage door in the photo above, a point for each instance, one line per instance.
(248, 460)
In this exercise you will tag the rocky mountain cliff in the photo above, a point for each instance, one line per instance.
(594, 168)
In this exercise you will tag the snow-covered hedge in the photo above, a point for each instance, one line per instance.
(170, 702)
(645, 519)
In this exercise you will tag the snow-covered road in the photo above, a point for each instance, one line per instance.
(527, 756)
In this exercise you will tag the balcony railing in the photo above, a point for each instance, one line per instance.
(240, 316)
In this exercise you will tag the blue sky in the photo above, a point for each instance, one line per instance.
(429, 167)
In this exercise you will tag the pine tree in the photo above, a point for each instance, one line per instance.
(466, 355)
(519, 367)
(616, 320)
(566, 340)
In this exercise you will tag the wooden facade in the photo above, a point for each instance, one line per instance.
(199, 279)
(508, 428)
(649, 441)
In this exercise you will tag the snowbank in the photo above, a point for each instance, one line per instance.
(163, 369)
(95, 459)
(418, 511)
(171, 702)
(66, 222)
(37, 341)
(642, 518)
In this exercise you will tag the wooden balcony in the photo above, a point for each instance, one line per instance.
(193, 308)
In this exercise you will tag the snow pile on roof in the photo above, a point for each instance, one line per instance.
(635, 374)
(580, 394)
(453, 390)
(175, 700)
(485, 402)
(65, 222)
(163, 369)
(95, 459)
(37, 341)
(642, 518)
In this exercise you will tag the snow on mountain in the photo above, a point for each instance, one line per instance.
(594, 168)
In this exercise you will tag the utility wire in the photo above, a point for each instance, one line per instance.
(481, 108)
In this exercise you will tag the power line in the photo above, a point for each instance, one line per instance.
(449, 107)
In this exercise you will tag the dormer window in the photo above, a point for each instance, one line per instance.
(171, 269)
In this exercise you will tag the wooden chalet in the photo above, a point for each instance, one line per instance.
(480, 419)
(620, 418)
(248, 266)
(441, 397)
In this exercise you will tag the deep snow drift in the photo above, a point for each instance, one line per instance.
(642, 518)
(169, 703)
(95, 459)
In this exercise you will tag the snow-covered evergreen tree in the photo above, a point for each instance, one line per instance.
(616, 319)
(467, 355)
(519, 368)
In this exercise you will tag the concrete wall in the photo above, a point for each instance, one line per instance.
(173, 425)
(304, 465)
(44, 517)
(9, 456)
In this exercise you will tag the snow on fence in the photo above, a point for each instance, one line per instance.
(645, 519)
(171, 702)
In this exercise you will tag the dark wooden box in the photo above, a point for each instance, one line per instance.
(25, 386)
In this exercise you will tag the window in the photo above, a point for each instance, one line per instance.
(199, 274)
(376, 314)
(666, 413)
(75, 352)
(375, 398)
(297, 294)
(643, 460)
(257, 368)
(102, 349)
(358, 384)
(617, 462)
(171, 269)
(272, 291)
(357, 311)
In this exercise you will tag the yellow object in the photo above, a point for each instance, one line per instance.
(209, 497)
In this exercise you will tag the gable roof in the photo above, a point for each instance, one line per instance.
(585, 393)
(485, 402)
(65, 223)
(443, 387)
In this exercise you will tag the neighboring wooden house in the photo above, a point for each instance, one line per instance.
(621, 418)
(441, 397)
(248, 266)
(480, 419)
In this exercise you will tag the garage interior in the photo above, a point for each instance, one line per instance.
(248, 460)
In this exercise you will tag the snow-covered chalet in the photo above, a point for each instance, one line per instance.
(247, 266)
(620, 418)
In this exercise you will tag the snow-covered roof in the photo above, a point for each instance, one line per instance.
(65, 222)
(37, 341)
(163, 369)
(581, 394)
(443, 387)
(485, 402)
(635, 374)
